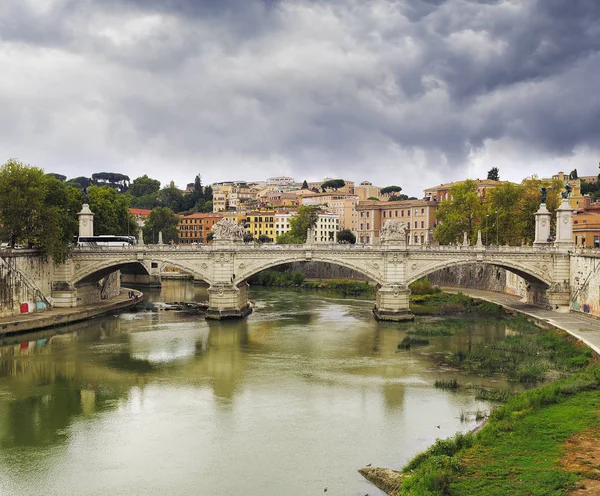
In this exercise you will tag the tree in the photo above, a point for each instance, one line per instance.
(304, 185)
(306, 217)
(60, 225)
(248, 238)
(346, 236)
(111, 211)
(81, 183)
(37, 210)
(263, 238)
(60, 177)
(462, 213)
(503, 224)
(198, 184)
(22, 195)
(163, 220)
(113, 179)
(390, 189)
(143, 186)
(170, 197)
(207, 207)
(334, 184)
(493, 174)
(399, 198)
(373, 198)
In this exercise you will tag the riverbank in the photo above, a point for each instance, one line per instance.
(62, 316)
(542, 441)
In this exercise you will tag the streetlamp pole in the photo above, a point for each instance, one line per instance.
(497, 244)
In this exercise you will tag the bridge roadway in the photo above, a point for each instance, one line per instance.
(226, 267)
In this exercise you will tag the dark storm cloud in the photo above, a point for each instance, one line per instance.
(251, 88)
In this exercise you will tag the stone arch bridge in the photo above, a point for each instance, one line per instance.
(226, 267)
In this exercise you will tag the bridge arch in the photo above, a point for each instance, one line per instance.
(531, 274)
(101, 268)
(258, 266)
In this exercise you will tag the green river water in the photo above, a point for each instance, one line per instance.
(290, 401)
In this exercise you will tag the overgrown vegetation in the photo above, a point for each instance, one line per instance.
(446, 384)
(278, 278)
(527, 357)
(518, 451)
(342, 286)
(439, 303)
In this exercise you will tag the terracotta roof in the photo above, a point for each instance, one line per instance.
(140, 211)
(201, 215)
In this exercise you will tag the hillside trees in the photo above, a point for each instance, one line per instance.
(390, 189)
(333, 184)
(113, 179)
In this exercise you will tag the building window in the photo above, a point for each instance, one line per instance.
(422, 224)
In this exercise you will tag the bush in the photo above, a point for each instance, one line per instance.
(423, 287)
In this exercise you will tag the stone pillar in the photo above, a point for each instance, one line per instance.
(86, 221)
(542, 226)
(228, 301)
(392, 303)
(160, 241)
(564, 225)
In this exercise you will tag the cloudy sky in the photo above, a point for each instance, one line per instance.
(406, 92)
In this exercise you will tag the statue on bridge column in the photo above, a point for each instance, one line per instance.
(393, 233)
(227, 230)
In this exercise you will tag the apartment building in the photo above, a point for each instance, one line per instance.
(366, 190)
(325, 231)
(194, 228)
(261, 224)
(343, 206)
(419, 216)
(231, 195)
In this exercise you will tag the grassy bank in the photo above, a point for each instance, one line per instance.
(523, 449)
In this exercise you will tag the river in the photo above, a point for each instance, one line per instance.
(290, 401)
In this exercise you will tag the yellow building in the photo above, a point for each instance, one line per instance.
(261, 224)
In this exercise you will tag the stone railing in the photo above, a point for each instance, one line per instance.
(329, 247)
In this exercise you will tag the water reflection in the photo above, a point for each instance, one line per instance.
(308, 387)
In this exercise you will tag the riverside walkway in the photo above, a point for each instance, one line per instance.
(583, 327)
(28, 322)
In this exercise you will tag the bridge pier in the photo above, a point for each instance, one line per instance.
(392, 303)
(228, 301)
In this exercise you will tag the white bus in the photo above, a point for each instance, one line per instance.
(106, 240)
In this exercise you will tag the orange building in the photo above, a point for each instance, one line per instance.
(194, 228)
